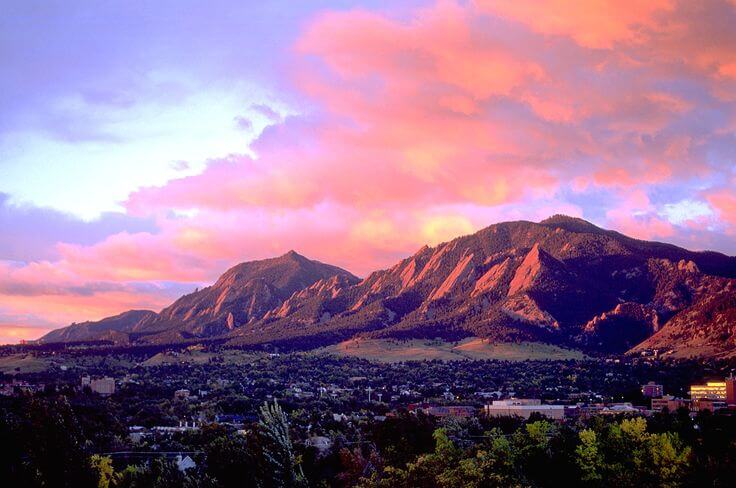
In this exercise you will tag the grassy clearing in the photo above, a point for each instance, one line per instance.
(391, 351)
(22, 363)
(201, 357)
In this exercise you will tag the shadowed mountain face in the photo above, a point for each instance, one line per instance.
(112, 328)
(562, 280)
(244, 294)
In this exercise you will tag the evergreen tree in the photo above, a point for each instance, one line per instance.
(278, 450)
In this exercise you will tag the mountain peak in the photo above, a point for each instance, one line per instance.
(509, 281)
(572, 224)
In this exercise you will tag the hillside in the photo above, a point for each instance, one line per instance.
(242, 295)
(562, 281)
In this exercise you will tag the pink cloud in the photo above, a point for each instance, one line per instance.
(56, 292)
(133, 257)
(592, 23)
(438, 123)
(635, 216)
(13, 334)
(724, 201)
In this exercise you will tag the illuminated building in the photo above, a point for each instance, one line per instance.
(652, 390)
(712, 390)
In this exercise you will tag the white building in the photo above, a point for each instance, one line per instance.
(523, 408)
(185, 463)
(102, 386)
(321, 443)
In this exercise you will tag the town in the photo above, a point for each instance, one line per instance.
(139, 406)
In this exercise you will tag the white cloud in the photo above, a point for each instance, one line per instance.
(684, 210)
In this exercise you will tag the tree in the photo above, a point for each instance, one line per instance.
(159, 473)
(589, 458)
(278, 450)
(103, 466)
(492, 467)
(51, 446)
(667, 459)
(231, 462)
(532, 452)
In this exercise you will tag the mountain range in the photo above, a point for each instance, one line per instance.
(562, 280)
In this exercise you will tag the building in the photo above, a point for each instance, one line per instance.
(652, 390)
(185, 463)
(442, 410)
(669, 402)
(181, 394)
(712, 390)
(523, 408)
(321, 443)
(659, 404)
(731, 390)
(235, 419)
(620, 408)
(183, 426)
(703, 404)
(103, 386)
(452, 411)
(137, 434)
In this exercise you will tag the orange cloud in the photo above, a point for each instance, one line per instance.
(13, 334)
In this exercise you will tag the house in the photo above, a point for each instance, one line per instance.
(321, 443)
(339, 417)
(185, 463)
(137, 433)
(234, 419)
(181, 394)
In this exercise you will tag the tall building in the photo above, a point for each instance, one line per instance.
(712, 390)
(652, 390)
(731, 390)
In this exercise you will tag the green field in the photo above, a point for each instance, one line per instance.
(22, 363)
(391, 351)
(196, 356)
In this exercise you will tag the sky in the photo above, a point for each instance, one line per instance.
(147, 146)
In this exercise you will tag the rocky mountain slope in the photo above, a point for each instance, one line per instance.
(242, 295)
(562, 280)
(114, 328)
